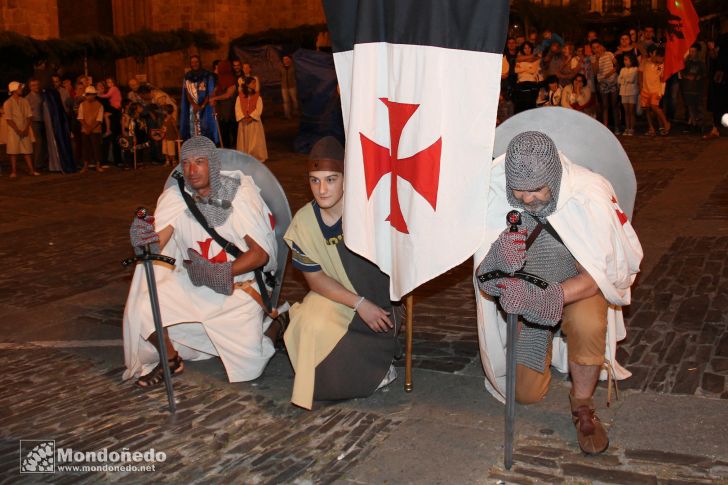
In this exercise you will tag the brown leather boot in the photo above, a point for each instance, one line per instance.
(590, 432)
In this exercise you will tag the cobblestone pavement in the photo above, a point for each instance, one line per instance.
(64, 236)
(216, 434)
(678, 339)
(716, 207)
(539, 459)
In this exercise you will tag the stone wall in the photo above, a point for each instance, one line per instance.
(37, 18)
(226, 19)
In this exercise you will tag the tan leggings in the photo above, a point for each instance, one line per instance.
(584, 323)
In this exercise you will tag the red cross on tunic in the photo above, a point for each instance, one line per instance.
(621, 215)
(421, 170)
(205, 250)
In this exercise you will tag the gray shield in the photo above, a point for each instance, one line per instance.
(273, 195)
(583, 140)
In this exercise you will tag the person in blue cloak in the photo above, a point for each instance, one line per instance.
(57, 124)
(197, 116)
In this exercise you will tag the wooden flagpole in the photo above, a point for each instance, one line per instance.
(409, 305)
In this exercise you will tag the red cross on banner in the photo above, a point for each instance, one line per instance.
(421, 170)
(419, 84)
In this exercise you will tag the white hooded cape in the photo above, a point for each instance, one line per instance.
(596, 232)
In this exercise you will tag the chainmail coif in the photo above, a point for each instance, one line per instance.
(217, 206)
(532, 162)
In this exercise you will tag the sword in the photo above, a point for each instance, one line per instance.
(217, 125)
(192, 91)
(197, 123)
(147, 258)
(514, 220)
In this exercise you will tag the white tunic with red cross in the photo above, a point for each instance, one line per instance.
(599, 236)
(202, 323)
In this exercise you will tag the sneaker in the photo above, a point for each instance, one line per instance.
(628, 133)
(617, 132)
(389, 377)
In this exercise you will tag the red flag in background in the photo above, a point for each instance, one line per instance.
(682, 32)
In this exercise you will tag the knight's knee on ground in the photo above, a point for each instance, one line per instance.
(221, 234)
(539, 180)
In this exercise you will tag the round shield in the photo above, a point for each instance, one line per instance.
(271, 192)
(583, 140)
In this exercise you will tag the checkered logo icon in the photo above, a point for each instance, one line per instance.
(37, 456)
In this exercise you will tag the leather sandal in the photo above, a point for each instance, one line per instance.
(156, 376)
(590, 432)
(283, 320)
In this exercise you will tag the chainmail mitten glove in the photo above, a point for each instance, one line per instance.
(216, 276)
(142, 233)
(543, 307)
(507, 253)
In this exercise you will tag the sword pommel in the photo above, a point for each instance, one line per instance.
(513, 219)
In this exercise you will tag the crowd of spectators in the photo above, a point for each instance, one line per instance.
(62, 124)
(105, 125)
(616, 84)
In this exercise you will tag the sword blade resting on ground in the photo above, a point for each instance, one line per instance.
(514, 220)
(147, 258)
(154, 301)
(511, 336)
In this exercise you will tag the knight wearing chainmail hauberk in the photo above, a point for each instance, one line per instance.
(575, 238)
(208, 300)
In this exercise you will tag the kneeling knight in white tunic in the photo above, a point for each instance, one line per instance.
(205, 299)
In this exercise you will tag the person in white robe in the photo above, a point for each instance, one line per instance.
(248, 110)
(18, 131)
(600, 255)
(206, 304)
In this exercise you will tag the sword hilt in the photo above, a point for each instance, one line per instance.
(147, 255)
(513, 219)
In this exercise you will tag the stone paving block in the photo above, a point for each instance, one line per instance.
(716, 206)
(719, 364)
(506, 477)
(651, 182)
(687, 481)
(608, 475)
(687, 379)
(665, 457)
(638, 379)
(545, 451)
(713, 383)
(721, 349)
(535, 460)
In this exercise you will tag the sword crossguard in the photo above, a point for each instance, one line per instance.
(149, 257)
